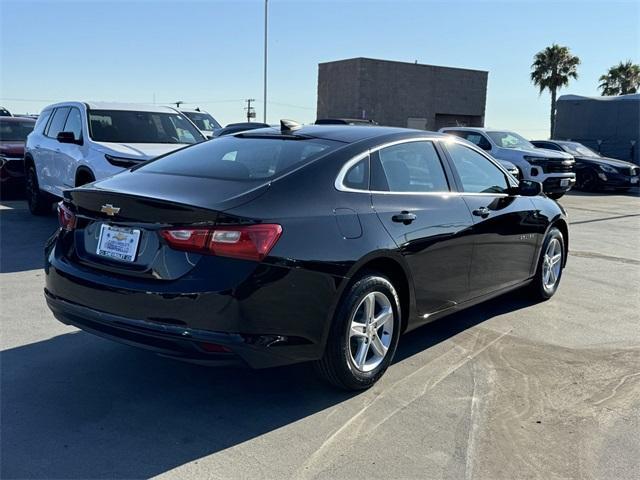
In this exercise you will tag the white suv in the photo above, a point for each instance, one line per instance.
(74, 143)
(555, 170)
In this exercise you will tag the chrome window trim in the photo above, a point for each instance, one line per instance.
(339, 182)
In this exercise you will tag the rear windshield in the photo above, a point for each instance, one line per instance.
(15, 131)
(236, 158)
(125, 126)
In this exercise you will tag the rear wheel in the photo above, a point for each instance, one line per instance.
(555, 196)
(83, 177)
(39, 202)
(550, 266)
(364, 335)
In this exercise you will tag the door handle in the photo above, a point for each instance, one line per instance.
(481, 212)
(404, 217)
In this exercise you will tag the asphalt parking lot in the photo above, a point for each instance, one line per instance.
(505, 390)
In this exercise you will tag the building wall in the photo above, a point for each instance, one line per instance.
(401, 94)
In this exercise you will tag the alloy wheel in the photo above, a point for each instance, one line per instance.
(551, 264)
(371, 331)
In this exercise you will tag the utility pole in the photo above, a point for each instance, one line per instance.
(251, 113)
(266, 12)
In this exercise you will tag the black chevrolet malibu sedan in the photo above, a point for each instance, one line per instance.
(292, 244)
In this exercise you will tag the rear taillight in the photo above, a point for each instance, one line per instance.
(249, 242)
(66, 217)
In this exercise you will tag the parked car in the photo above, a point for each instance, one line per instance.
(4, 112)
(239, 127)
(13, 134)
(74, 143)
(203, 120)
(315, 243)
(555, 170)
(593, 171)
(345, 121)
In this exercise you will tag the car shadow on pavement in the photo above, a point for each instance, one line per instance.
(22, 237)
(77, 406)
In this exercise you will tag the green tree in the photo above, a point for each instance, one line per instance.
(621, 79)
(551, 70)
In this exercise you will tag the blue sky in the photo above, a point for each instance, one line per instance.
(209, 52)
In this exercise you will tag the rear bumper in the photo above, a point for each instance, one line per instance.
(181, 343)
(273, 316)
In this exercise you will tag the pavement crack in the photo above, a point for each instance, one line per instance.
(601, 256)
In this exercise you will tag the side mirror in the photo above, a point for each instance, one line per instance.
(68, 137)
(529, 188)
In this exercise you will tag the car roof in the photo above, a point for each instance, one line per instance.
(134, 107)
(347, 133)
(191, 110)
(18, 119)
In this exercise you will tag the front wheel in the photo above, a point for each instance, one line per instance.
(39, 203)
(588, 181)
(363, 336)
(550, 266)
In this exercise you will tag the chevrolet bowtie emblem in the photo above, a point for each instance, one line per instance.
(109, 209)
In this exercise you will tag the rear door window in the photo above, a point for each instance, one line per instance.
(410, 167)
(237, 158)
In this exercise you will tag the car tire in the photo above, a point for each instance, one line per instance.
(555, 196)
(367, 321)
(589, 181)
(550, 266)
(39, 202)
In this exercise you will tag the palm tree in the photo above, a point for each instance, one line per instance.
(621, 79)
(551, 70)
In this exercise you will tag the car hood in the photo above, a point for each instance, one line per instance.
(142, 151)
(614, 162)
(540, 152)
(12, 149)
(507, 164)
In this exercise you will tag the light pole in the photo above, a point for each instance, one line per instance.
(266, 13)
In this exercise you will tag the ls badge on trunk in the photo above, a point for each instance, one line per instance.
(109, 209)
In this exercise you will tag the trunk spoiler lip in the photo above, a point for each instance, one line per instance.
(225, 205)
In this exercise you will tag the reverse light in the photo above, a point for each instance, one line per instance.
(247, 242)
(190, 239)
(66, 217)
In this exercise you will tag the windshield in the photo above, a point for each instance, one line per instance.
(509, 140)
(236, 158)
(203, 121)
(15, 131)
(123, 126)
(579, 150)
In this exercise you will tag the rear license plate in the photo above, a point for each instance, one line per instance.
(118, 242)
(565, 182)
(635, 179)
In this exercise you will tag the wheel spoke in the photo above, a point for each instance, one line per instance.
(361, 354)
(552, 277)
(556, 258)
(377, 345)
(385, 316)
(369, 306)
(358, 329)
